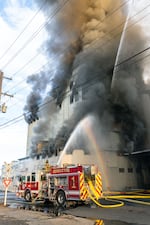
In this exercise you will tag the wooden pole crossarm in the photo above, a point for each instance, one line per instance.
(7, 95)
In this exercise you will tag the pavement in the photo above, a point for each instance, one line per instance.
(84, 215)
(14, 216)
(136, 214)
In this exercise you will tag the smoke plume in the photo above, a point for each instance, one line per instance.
(83, 43)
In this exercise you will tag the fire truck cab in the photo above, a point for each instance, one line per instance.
(60, 184)
(30, 184)
(70, 183)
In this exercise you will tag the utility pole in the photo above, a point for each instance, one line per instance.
(3, 107)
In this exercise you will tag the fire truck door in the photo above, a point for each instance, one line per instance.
(73, 182)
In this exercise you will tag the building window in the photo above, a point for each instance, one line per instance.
(71, 98)
(76, 96)
(130, 170)
(121, 170)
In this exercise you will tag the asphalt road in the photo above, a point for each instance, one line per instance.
(129, 214)
(10, 197)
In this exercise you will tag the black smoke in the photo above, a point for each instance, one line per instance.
(83, 44)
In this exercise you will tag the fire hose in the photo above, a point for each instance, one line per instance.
(94, 196)
(91, 191)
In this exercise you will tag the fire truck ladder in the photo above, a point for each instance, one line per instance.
(93, 195)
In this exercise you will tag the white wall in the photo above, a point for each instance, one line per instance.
(109, 164)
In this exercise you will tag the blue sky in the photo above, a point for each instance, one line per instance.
(14, 62)
(5, 6)
(18, 63)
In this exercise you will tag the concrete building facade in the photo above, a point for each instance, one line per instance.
(118, 171)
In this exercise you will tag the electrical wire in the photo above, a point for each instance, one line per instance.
(129, 27)
(35, 34)
(54, 14)
(26, 26)
(139, 53)
(114, 11)
(110, 14)
(50, 17)
(111, 30)
(132, 57)
(42, 105)
(66, 92)
(96, 25)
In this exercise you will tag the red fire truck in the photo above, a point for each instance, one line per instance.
(32, 180)
(31, 184)
(61, 184)
(70, 183)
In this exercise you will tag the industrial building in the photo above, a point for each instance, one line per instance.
(97, 107)
(120, 170)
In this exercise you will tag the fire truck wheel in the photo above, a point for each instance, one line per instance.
(27, 196)
(60, 198)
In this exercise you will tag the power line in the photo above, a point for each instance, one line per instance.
(27, 25)
(132, 57)
(12, 120)
(110, 14)
(139, 53)
(129, 27)
(96, 25)
(40, 106)
(34, 34)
